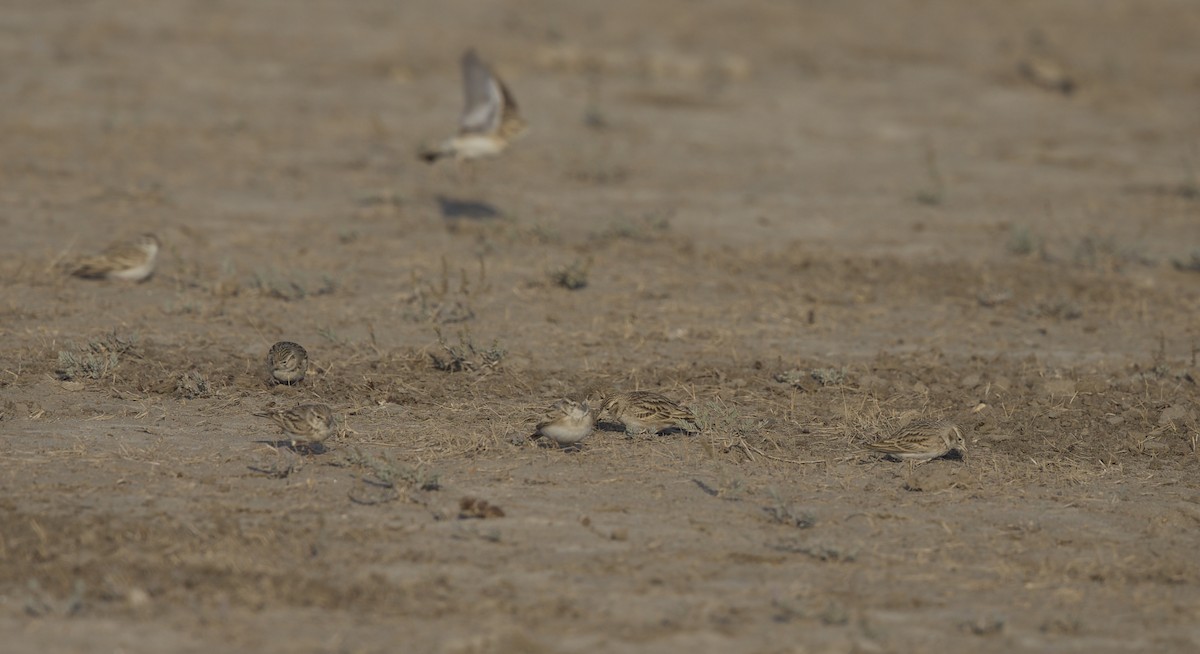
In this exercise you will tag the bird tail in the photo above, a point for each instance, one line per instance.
(86, 268)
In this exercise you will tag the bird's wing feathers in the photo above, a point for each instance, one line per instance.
(485, 96)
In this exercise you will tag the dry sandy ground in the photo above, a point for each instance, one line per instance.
(810, 222)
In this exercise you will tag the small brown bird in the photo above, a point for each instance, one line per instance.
(288, 362)
(644, 411)
(489, 122)
(306, 425)
(921, 441)
(131, 261)
(572, 422)
(1047, 74)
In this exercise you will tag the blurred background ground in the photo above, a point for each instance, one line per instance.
(810, 222)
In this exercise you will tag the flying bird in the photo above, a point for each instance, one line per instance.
(490, 120)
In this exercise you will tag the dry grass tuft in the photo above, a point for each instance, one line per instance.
(466, 356)
(96, 360)
(573, 276)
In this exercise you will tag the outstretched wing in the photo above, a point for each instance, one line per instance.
(484, 94)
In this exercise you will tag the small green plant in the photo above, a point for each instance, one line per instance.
(636, 229)
(1189, 188)
(802, 378)
(600, 173)
(594, 117)
(1022, 241)
(438, 302)
(192, 384)
(391, 473)
(780, 512)
(728, 487)
(1060, 308)
(819, 551)
(1192, 264)
(281, 466)
(794, 377)
(572, 277)
(379, 197)
(385, 479)
(726, 430)
(291, 288)
(719, 418)
(935, 194)
(929, 197)
(97, 359)
(1095, 251)
(466, 356)
(39, 602)
(828, 376)
(542, 233)
(86, 365)
(330, 335)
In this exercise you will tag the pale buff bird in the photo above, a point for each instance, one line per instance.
(1046, 73)
(644, 411)
(571, 423)
(489, 122)
(131, 261)
(921, 441)
(305, 425)
(288, 362)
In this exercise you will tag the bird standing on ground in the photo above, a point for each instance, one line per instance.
(644, 411)
(305, 425)
(131, 261)
(921, 441)
(572, 422)
(288, 362)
